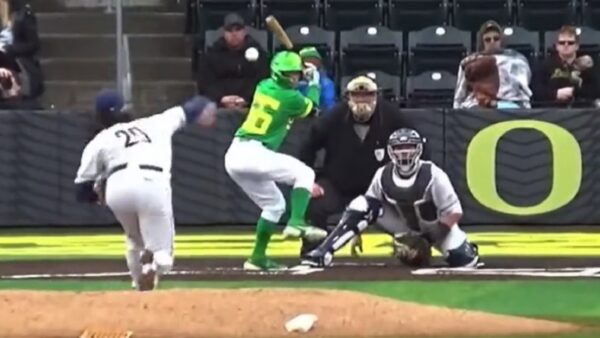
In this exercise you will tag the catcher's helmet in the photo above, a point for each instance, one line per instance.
(285, 62)
(405, 147)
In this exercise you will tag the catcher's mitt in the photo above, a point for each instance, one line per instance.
(412, 250)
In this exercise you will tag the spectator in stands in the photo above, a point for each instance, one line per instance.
(21, 77)
(493, 77)
(230, 70)
(564, 78)
(354, 136)
(311, 55)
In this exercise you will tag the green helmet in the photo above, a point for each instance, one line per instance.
(284, 62)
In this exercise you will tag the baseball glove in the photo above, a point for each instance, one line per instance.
(482, 76)
(412, 250)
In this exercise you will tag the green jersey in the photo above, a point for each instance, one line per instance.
(272, 113)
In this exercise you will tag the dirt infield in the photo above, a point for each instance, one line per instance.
(262, 313)
(246, 313)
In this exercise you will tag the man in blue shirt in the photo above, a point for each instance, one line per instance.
(328, 99)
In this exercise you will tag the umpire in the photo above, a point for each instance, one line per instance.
(354, 135)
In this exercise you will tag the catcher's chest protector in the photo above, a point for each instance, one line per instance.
(405, 198)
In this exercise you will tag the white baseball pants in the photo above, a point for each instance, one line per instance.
(141, 202)
(393, 223)
(256, 169)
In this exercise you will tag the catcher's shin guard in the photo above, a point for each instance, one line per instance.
(361, 212)
(465, 256)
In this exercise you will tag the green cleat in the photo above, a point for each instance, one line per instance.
(263, 264)
(308, 232)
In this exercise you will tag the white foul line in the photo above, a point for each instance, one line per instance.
(221, 270)
(593, 272)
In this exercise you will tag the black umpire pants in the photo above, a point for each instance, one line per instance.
(321, 208)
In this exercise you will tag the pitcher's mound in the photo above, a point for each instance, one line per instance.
(245, 313)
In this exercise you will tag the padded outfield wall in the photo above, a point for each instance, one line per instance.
(517, 167)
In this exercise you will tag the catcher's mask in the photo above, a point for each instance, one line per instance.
(405, 147)
(362, 98)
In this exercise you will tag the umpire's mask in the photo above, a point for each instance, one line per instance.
(362, 98)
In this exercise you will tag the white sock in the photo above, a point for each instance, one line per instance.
(134, 264)
(455, 238)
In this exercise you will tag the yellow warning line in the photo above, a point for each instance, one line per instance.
(240, 245)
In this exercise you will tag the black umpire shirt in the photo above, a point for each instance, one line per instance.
(350, 162)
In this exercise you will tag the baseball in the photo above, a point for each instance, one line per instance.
(251, 54)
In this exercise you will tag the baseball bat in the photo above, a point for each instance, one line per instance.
(275, 28)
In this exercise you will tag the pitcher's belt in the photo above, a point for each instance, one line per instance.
(142, 166)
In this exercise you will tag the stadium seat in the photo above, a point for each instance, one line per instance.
(349, 14)
(591, 13)
(371, 48)
(439, 48)
(389, 85)
(471, 14)
(523, 41)
(261, 36)
(589, 43)
(315, 36)
(212, 12)
(430, 89)
(412, 15)
(543, 15)
(291, 12)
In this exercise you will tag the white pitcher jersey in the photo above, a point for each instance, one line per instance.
(145, 141)
(439, 189)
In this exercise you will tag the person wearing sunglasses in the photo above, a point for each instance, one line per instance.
(494, 77)
(567, 79)
(490, 37)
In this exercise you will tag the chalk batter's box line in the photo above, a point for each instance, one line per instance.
(568, 272)
(206, 271)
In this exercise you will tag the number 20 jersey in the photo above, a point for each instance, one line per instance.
(272, 112)
(143, 141)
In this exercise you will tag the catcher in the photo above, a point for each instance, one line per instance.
(410, 199)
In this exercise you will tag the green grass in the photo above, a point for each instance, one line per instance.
(573, 301)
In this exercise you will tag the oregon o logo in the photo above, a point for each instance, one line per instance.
(566, 167)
